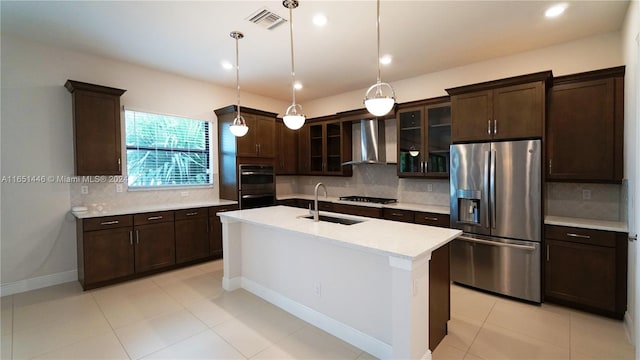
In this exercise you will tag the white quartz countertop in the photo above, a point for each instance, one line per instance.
(142, 208)
(398, 239)
(399, 205)
(617, 226)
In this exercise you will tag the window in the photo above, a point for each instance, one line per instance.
(165, 151)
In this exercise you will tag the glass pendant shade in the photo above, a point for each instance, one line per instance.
(375, 100)
(293, 118)
(239, 127)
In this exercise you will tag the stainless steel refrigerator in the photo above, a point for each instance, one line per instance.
(496, 201)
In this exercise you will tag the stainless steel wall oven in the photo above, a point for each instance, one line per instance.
(256, 186)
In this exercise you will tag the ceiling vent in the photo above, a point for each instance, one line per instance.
(266, 18)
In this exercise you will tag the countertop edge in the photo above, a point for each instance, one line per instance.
(615, 226)
(151, 208)
(438, 209)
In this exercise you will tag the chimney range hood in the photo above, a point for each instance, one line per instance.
(372, 143)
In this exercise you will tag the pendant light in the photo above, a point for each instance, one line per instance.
(239, 127)
(375, 100)
(293, 118)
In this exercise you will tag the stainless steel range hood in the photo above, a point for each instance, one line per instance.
(372, 143)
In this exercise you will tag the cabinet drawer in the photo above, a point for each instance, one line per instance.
(152, 218)
(367, 211)
(191, 213)
(432, 219)
(398, 215)
(107, 222)
(579, 235)
(216, 209)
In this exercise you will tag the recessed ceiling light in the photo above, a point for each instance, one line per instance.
(297, 85)
(320, 20)
(386, 59)
(227, 65)
(555, 10)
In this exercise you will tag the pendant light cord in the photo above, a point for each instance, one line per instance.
(378, 30)
(237, 77)
(293, 73)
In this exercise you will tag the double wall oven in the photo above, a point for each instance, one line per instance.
(256, 186)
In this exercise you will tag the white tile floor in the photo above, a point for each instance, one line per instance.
(185, 314)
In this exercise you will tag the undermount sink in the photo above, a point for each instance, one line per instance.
(334, 219)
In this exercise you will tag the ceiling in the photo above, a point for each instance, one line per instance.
(192, 38)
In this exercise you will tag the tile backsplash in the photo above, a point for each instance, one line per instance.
(371, 180)
(588, 201)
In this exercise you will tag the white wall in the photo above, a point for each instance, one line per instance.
(38, 234)
(631, 49)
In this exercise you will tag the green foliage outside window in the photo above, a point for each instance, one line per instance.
(164, 150)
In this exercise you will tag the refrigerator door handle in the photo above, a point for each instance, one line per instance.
(492, 189)
(495, 243)
(485, 189)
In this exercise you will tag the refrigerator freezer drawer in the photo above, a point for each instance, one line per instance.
(508, 267)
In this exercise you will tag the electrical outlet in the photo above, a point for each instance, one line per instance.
(184, 193)
(317, 289)
(84, 189)
(586, 194)
(119, 188)
(429, 187)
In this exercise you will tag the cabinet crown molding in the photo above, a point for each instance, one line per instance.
(544, 76)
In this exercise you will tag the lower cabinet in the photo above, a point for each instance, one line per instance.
(398, 215)
(215, 229)
(155, 245)
(439, 295)
(105, 249)
(368, 211)
(586, 269)
(192, 234)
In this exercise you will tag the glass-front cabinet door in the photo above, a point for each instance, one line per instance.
(424, 136)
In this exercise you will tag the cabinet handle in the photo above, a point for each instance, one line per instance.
(119, 165)
(114, 222)
(191, 213)
(396, 214)
(547, 252)
(131, 237)
(495, 126)
(137, 237)
(550, 165)
(431, 218)
(154, 218)
(489, 127)
(579, 236)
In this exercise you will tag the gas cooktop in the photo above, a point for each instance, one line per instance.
(376, 200)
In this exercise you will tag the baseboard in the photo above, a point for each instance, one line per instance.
(17, 287)
(334, 327)
(628, 328)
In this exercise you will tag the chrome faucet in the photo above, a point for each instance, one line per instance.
(316, 214)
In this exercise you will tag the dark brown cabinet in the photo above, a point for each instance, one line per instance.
(432, 219)
(585, 128)
(154, 235)
(439, 295)
(326, 144)
(586, 269)
(286, 154)
(258, 146)
(105, 249)
(96, 128)
(424, 136)
(192, 234)
(398, 215)
(368, 211)
(512, 108)
(215, 229)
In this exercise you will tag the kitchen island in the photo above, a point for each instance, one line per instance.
(366, 283)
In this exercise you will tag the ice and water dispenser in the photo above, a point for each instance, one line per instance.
(469, 206)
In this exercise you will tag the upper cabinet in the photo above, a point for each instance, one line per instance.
(424, 136)
(585, 127)
(512, 108)
(257, 146)
(96, 128)
(286, 145)
(324, 144)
